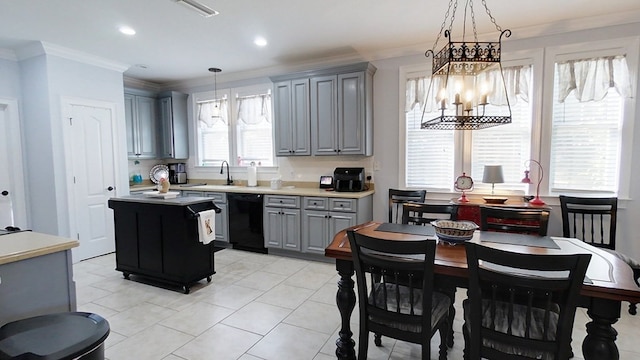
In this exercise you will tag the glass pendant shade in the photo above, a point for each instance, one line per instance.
(216, 114)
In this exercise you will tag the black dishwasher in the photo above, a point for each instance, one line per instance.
(246, 222)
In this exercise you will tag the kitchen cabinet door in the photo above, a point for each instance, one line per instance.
(324, 115)
(141, 120)
(174, 132)
(315, 237)
(291, 118)
(351, 114)
(282, 228)
(222, 218)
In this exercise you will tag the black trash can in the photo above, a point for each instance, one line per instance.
(61, 336)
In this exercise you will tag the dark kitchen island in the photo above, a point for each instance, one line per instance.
(158, 239)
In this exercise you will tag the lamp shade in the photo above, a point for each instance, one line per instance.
(492, 174)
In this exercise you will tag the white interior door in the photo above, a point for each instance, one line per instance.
(12, 191)
(91, 145)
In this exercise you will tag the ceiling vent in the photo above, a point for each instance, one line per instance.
(200, 8)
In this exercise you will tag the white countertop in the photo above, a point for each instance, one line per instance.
(285, 190)
(28, 244)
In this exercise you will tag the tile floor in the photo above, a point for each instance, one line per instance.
(256, 307)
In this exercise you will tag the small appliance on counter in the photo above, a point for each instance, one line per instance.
(178, 173)
(349, 179)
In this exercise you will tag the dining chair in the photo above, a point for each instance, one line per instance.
(395, 292)
(520, 306)
(514, 220)
(593, 220)
(399, 197)
(423, 214)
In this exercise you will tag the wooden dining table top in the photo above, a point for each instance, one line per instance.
(608, 276)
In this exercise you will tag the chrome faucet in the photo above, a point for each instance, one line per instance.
(229, 181)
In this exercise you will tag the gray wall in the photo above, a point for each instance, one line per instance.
(45, 80)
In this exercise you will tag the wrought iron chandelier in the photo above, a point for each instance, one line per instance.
(465, 76)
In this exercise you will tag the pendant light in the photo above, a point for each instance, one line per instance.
(464, 75)
(215, 112)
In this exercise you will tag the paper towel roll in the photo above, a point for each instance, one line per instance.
(252, 176)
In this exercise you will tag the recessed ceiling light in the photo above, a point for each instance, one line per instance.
(260, 41)
(127, 30)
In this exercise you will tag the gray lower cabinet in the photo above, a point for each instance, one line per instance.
(282, 222)
(323, 218)
(141, 121)
(222, 221)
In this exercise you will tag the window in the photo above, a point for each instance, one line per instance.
(431, 155)
(587, 124)
(578, 123)
(237, 128)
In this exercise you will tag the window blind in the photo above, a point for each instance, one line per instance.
(507, 145)
(430, 154)
(585, 143)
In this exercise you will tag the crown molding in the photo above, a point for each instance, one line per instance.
(43, 48)
(8, 54)
(134, 83)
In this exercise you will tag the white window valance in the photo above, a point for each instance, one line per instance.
(254, 109)
(212, 111)
(516, 79)
(590, 79)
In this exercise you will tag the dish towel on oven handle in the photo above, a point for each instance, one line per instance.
(207, 226)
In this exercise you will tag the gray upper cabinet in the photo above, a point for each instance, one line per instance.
(141, 120)
(174, 132)
(342, 112)
(291, 120)
(334, 106)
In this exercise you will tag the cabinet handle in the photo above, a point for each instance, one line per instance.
(110, 188)
(5, 193)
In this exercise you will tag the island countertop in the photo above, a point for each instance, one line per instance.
(28, 244)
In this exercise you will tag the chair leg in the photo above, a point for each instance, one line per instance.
(465, 334)
(377, 339)
(363, 345)
(444, 335)
(633, 310)
(452, 315)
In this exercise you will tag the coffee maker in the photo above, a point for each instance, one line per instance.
(178, 173)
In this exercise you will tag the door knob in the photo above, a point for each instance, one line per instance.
(4, 193)
(110, 188)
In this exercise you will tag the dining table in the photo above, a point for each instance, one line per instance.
(609, 280)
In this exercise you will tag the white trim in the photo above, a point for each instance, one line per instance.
(20, 197)
(65, 111)
(629, 46)
(40, 48)
(8, 54)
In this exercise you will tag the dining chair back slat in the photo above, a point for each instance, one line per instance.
(521, 305)
(525, 221)
(592, 220)
(399, 197)
(395, 292)
(422, 214)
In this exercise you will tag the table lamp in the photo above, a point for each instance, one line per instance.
(527, 180)
(493, 175)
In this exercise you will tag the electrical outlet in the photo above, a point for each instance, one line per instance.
(376, 165)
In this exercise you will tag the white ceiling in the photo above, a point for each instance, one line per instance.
(175, 43)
